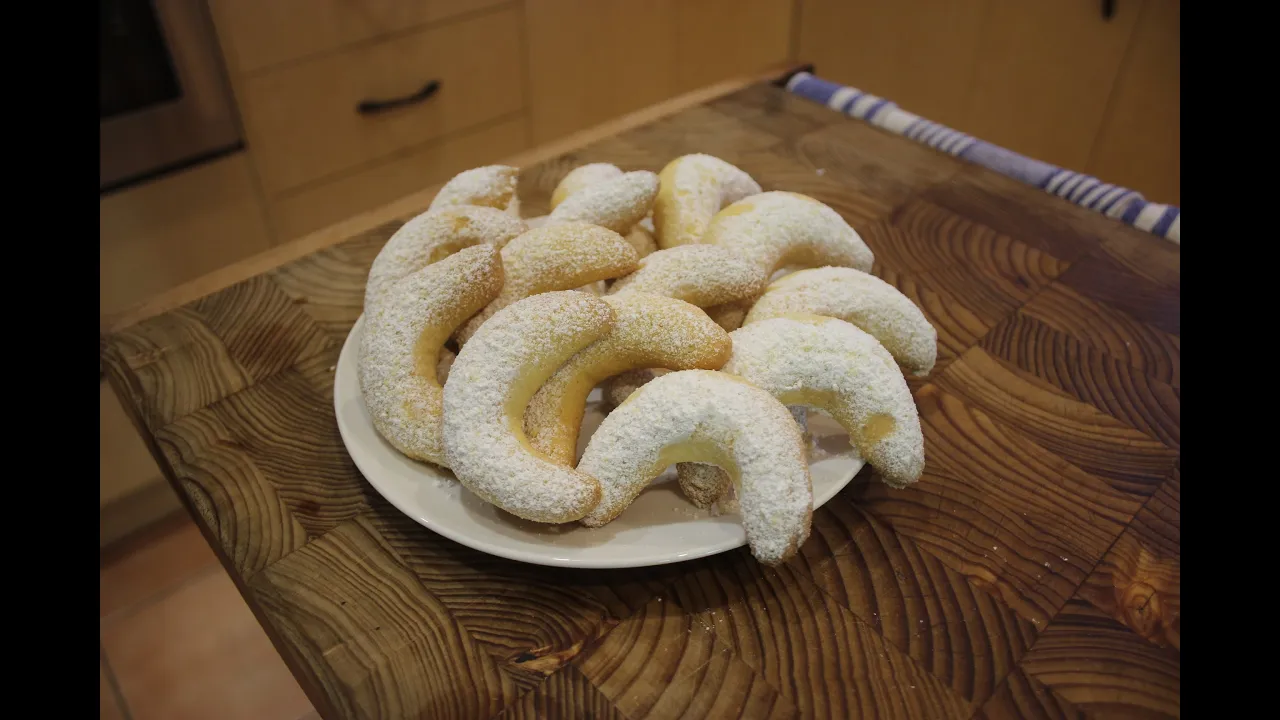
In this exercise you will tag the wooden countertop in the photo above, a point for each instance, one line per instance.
(1034, 570)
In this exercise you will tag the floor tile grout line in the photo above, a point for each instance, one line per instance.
(116, 693)
(138, 606)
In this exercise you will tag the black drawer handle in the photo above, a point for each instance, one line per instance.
(1108, 9)
(372, 107)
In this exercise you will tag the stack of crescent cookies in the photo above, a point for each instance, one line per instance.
(711, 314)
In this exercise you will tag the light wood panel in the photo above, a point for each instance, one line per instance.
(719, 38)
(920, 54)
(1138, 145)
(299, 212)
(302, 120)
(257, 34)
(156, 236)
(1044, 75)
(591, 61)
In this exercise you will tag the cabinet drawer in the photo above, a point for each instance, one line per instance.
(259, 34)
(320, 205)
(302, 120)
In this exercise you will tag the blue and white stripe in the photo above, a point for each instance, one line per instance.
(1085, 190)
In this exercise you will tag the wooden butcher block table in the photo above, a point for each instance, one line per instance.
(1033, 570)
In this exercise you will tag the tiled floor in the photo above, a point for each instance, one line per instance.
(178, 641)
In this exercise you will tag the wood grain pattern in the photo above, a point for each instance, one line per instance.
(666, 663)
(173, 365)
(809, 647)
(240, 508)
(1089, 375)
(960, 633)
(1044, 532)
(1116, 333)
(1075, 431)
(1023, 698)
(379, 643)
(532, 620)
(1103, 667)
(1006, 512)
(567, 695)
(1138, 582)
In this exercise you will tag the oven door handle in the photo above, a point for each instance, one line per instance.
(373, 107)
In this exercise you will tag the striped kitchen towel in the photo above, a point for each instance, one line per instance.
(1111, 200)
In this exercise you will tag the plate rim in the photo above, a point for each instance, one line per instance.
(507, 552)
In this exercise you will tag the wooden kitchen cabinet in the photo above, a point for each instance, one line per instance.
(918, 53)
(1052, 79)
(1044, 74)
(259, 34)
(592, 61)
(1138, 145)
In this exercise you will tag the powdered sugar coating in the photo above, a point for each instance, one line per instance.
(833, 365)
(692, 189)
(559, 256)
(581, 177)
(648, 331)
(776, 229)
(702, 275)
(859, 298)
(401, 346)
(704, 415)
(492, 186)
(433, 236)
(489, 387)
(704, 484)
(617, 204)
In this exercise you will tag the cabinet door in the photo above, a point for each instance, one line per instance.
(1138, 144)
(1044, 74)
(718, 39)
(592, 60)
(919, 54)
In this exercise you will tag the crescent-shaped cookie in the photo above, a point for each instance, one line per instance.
(491, 186)
(708, 416)
(561, 256)
(859, 298)
(581, 177)
(648, 331)
(489, 386)
(832, 365)
(401, 348)
(705, 484)
(433, 236)
(702, 275)
(692, 189)
(617, 204)
(776, 229)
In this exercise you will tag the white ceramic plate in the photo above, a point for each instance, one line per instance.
(661, 526)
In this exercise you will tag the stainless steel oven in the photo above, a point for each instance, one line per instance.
(163, 98)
